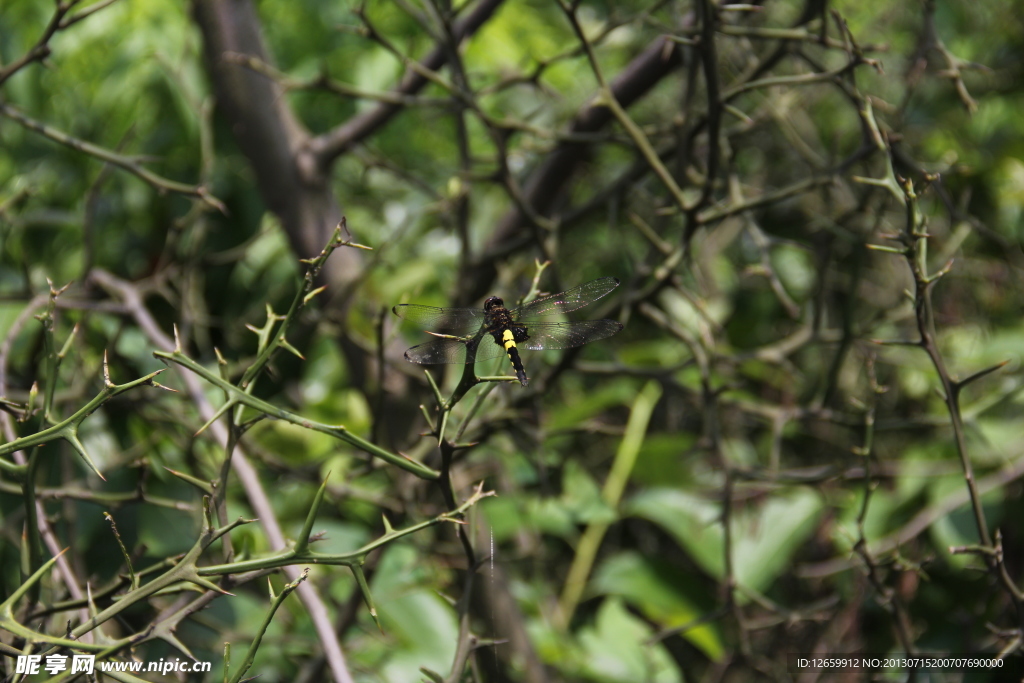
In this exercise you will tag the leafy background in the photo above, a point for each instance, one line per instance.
(745, 471)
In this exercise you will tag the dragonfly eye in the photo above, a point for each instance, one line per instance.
(493, 302)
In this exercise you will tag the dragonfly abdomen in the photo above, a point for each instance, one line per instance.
(508, 340)
(506, 334)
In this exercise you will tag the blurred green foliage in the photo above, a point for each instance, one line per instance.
(784, 302)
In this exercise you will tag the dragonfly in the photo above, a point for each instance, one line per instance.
(462, 332)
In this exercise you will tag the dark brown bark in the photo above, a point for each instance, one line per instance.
(265, 128)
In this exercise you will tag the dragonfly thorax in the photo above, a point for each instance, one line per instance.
(498, 319)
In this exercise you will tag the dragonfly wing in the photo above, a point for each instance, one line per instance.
(452, 351)
(458, 321)
(438, 351)
(489, 349)
(567, 335)
(569, 300)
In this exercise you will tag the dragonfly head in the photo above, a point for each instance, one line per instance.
(492, 303)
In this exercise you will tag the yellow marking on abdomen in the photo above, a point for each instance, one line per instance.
(508, 339)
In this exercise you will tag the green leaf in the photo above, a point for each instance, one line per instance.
(959, 527)
(765, 534)
(617, 653)
(426, 631)
(582, 497)
(589, 405)
(655, 589)
(659, 463)
(691, 520)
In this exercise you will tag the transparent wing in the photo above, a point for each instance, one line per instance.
(468, 322)
(566, 301)
(458, 321)
(567, 335)
(451, 352)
